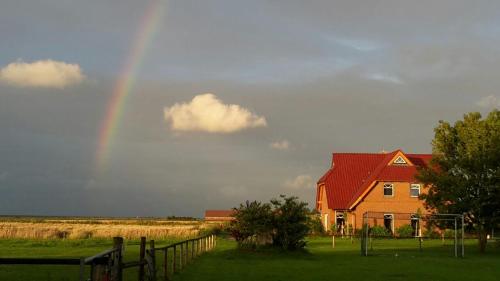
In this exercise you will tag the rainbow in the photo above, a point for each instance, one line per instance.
(125, 83)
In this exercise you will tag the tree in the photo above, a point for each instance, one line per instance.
(253, 223)
(463, 175)
(290, 222)
(284, 223)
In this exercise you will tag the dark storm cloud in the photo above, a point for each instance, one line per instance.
(326, 75)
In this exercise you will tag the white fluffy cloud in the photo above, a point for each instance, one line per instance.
(489, 102)
(300, 182)
(207, 113)
(280, 145)
(42, 73)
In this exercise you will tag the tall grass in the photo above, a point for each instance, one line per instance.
(78, 229)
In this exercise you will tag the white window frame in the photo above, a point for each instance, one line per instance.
(415, 186)
(400, 161)
(386, 186)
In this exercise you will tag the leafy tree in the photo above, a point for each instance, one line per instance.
(253, 224)
(290, 222)
(464, 172)
(284, 222)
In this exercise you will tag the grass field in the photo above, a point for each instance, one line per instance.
(321, 262)
(318, 262)
(60, 249)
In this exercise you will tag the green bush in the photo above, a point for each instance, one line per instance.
(253, 224)
(289, 222)
(404, 231)
(430, 233)
(448, 233)
(283, 223)
(314, 223)
(379, 231)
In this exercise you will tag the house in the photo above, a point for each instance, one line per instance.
(219, 215)
(382, 183)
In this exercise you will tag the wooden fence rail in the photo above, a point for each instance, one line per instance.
(178, 255)
(108, 265)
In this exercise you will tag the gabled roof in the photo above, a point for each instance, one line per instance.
(352, 174)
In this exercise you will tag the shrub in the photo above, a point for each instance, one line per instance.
(253, 224)
(448, 233)
(379, 231)
(314, 224)
(283, 223)
(289, 222)
(431, 234)
(404, 231)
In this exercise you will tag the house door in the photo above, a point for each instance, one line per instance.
(388, 222)
(340, 224)
(414, 225)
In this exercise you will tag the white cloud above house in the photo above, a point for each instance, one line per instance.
(41, 74)
(280, 145)
(300, 182)
(206, 113)
(490, 101)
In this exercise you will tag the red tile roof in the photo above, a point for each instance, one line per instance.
(352, 174)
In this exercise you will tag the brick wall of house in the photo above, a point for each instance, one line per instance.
(327, 215)
(400, 202)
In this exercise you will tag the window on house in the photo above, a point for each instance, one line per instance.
(399, 161)
(388, 189)
(414, 190)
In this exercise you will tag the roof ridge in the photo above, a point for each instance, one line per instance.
(372, 153)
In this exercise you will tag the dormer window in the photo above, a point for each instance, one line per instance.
(388, 189)
(400, 161)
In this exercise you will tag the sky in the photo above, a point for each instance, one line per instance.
(171, 107)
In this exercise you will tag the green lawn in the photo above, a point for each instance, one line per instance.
(321, 262)
(60, 249)
(318, 262)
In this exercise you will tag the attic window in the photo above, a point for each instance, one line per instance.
(399, 161)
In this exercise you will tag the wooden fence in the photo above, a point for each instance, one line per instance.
(108, 265)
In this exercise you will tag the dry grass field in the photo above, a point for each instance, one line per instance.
(67, 228)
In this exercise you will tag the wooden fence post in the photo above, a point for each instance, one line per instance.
(165, 264)
(192, 250)
(82, 269)
(180, 256)
(174, 260)
(153, 259)
(142, 254)
(187, 252)
(117, 266)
